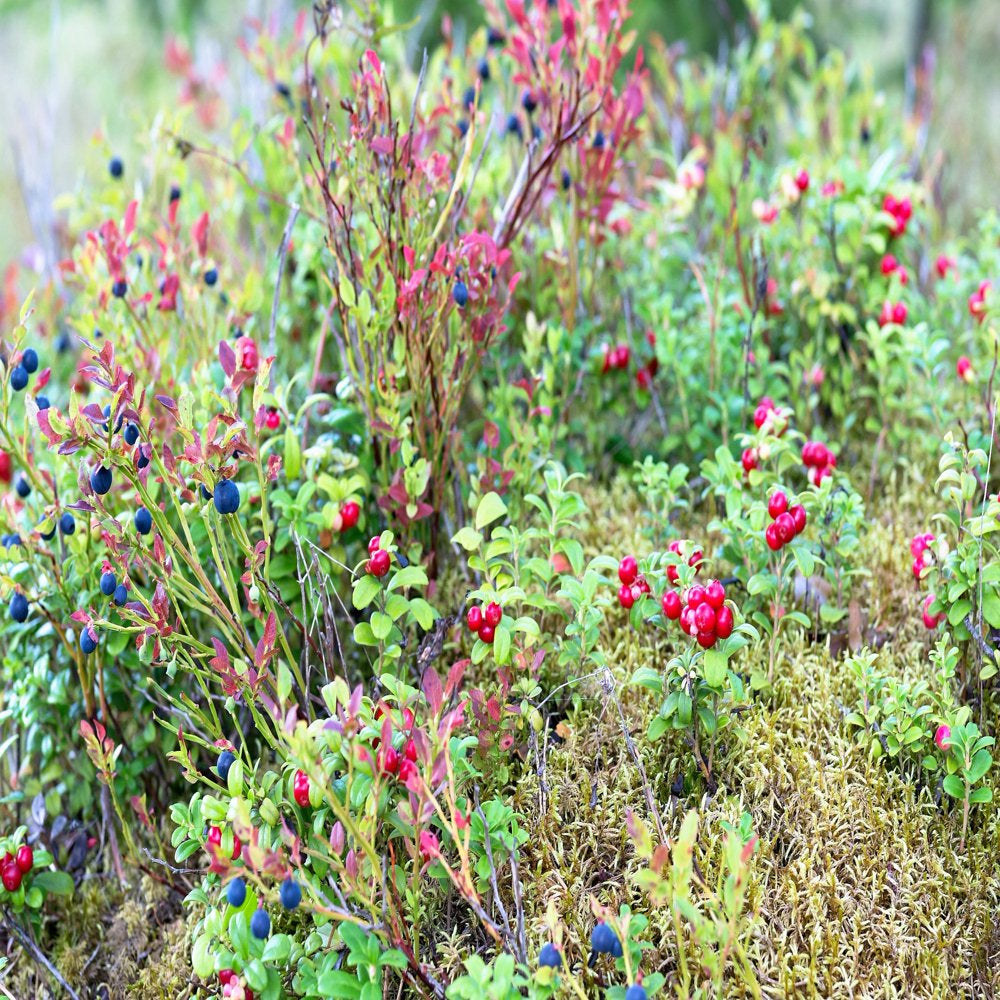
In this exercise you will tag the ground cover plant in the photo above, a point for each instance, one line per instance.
(346, 654)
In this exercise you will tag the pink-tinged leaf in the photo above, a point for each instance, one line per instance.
(46, 428)
(220, 662)
(491, 434)
(166, 401)
(129, 225)
(381, 145)
(160, 602)
(93, 412)
(374, 61)
(199, 233)
(227, 358)
(455, 675)
(265, 647)
(80, 616)
(433, 691)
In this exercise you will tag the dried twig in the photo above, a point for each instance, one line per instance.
(38, 955)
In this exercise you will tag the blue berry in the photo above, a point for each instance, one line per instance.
(226, 760)
(635, 992)
(227, 497)
(115, 167)
(237, 893)
(42, 402)
(205, 495)
(143, 521)
(566, 179)
(494, 37)
(604, 941)
(88, 640)
(528, 102)
(484, 69)
(290, 894)
(211, 277)
(67, 523)
(119, 288)
(120, 595)
(30, 360)
(549, 956)
(131, 434)
(22, 486)
(46, 535)
(260, 924)
(469, 97)
(463, 127)
(460, 294)
(100, 480)
(108, 584)
(175, 193)
(19, 607)
(142, 461)
(599, 140)
(65, 342)
(18, 377)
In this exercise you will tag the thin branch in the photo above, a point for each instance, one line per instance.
(37, 954)
(286, 238)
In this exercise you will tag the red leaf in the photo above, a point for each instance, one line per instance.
(227, 358)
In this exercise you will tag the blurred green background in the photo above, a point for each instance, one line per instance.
(75, 71)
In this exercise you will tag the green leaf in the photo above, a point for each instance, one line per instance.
(647, 677)
(409, 576)
(982, 795)
(981, 763)
(954, 786)
(657, 727)
(365, 590)
(501, 645)
(202, 957)
(363, 635)
(277, 949)
(490, 509)
(256, 974)
(55, 883)
(381, 625)
(468, 538)
(715, 668)
(958, 611)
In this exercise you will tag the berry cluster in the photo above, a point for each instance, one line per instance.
(378, 558)
(701, 611)
(614, 357)
(922, 557)
(232, 984)
(25, 368)
(13, 867)
(483, 621)
(819, 460)
(900, 209)
(771, 419)
(977, 301)
(893, 312)
(786, 521)
(634, 584)
(687, 551)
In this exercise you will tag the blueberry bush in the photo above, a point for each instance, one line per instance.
(510, 520)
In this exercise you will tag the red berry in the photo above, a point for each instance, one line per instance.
(672, 573)
(247, 354)
(226, 976)
(25, 858)
(5, 467)
(696, 558)
(785, 525)
(715, 594)
(642, 584)
(918, 567)
(374, 544)
(625, 598)
(963, 369)
(378, 565)
(486, 633)
(349, 515)
(749, 459)
(760, 416)
(300, 788)
(798, 513)
(493, 614)
(704, 617)
(942, 735)
(724, 622)
(687, 620)
(474, 618)
(696, 595)
(628, 570)
(387, 760)
(889, 264)
(643, 378)
(11, 876)
(706, 639)
(410, 751)
(802, 180)
(671, 604)
(272, 420)
(215, 839)
(407, 769)
(899, 313)
(771, 537)
(778, 504)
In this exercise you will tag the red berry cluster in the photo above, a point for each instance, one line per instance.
(702, 612)
(300, 789)
(13, 867)
(614, 357)
(694, 557)
(634, 584)
(819, 460)
(893, 312)
(484, 621)
(388, 759)
(215, 839)
(931, 621)
(900, 209)
(919, 545)
(771, 419)
(230, 981)
(379, 558)
(891, 266)
(977, 301)
(786, 521)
